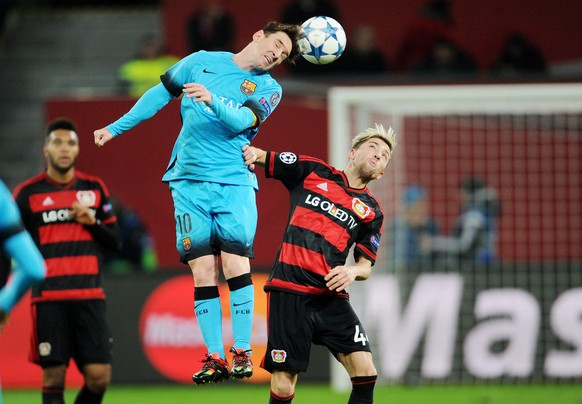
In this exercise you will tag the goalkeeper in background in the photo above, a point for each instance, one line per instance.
(228, 97)
(473, 240)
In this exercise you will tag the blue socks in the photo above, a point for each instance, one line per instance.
(209, 315)
(242, 303)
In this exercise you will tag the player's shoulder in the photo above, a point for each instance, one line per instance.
(317, 164)
(374, 203)
(289, 157)
(90, 179)
(302, 161)
(198, 58)
(212, 58)
(30, 184)
(269, 81)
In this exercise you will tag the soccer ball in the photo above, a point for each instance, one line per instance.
(324, 40)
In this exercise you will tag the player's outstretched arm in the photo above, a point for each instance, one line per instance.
(102, 136)
(147, 106)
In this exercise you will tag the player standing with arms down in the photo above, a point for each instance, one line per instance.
(331, 210)
(228, 97)
(69, 216)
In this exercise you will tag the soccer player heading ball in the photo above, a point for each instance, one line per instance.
(228, 97)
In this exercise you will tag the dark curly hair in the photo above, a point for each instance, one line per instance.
(60, 123)
(293, 31)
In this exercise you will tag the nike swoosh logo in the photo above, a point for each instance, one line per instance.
(199, 304)
(240, 304)
(209, 72)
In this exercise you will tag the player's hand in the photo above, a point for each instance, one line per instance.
(82, 214)
(198, 91)
(339, 278)
(250, 155)
(3, 320)
(102, 136)
(254, 156)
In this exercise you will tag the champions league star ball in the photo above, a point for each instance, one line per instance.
(324, 40)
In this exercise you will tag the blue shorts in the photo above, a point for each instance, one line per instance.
(212, 217)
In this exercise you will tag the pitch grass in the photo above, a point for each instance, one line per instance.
(323, 394)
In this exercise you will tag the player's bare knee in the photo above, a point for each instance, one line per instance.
(204, 271)
(235, 265)
(97, 383)
(358, 364)
(54, 376)
(283, 388)
(97, 377)
(283, 384)
(366, 371)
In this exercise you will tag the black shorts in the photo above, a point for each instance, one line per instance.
(76, 329)
(296, 321)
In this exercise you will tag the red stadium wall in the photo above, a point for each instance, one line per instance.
(133, 164)
(132, 167)
(481, 26)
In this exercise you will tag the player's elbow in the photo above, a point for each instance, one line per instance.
(363, 274)
(37, 272)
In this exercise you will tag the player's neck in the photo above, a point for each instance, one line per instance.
(354, 181)
(241, 61)
(245, 59)
(60, 177)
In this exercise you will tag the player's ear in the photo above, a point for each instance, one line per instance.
(258, 35)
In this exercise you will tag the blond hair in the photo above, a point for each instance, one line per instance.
(388, 136)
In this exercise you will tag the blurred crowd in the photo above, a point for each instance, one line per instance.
(428, 47)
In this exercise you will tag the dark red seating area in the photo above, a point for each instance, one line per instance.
(481, 26)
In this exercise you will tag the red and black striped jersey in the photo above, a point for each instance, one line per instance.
(71, 252)
(326, 218)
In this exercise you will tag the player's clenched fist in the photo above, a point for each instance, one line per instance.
(102, 136)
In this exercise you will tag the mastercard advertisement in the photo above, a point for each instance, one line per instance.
(156, 335)
(170, 333)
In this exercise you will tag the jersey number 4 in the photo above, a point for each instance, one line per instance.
(360, 336)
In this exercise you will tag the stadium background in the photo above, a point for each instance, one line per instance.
(133, 167)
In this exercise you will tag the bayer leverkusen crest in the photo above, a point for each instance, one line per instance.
(360, 208)
(248, 87)
(278, 355)
(86, 198)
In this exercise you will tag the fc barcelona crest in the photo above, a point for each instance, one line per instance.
(248, 87)
(187, 243)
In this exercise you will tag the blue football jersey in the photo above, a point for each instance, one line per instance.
(9, 214)
(206, 149)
